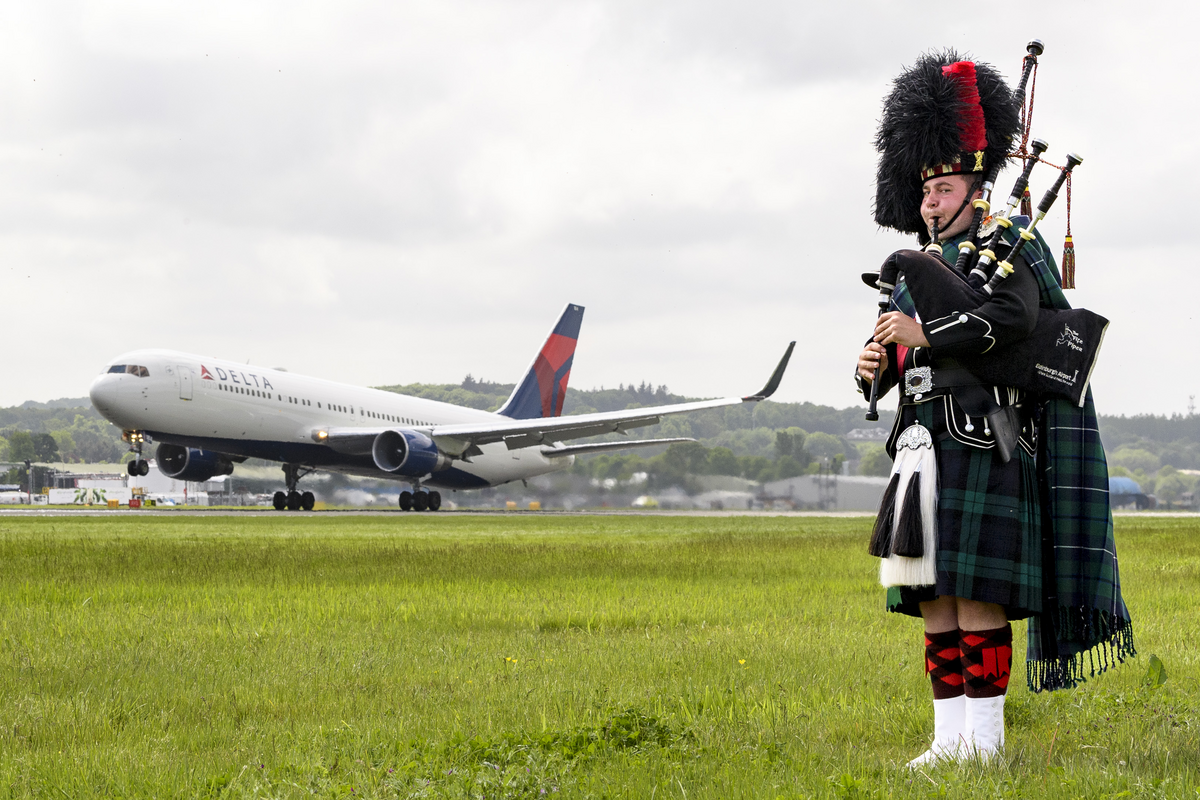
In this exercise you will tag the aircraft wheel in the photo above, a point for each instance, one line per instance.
(279, 501)
(406, 501)
(293, 501)
(421, 501)
(132, 468)
(435, 501)
(307, 501)
(143, 468)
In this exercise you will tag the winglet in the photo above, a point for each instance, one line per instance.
(776, 377)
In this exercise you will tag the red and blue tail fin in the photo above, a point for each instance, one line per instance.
(544, 388)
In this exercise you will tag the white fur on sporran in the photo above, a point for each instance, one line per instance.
(914, 456)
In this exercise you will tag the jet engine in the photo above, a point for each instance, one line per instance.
(408, 453)
(190, 463)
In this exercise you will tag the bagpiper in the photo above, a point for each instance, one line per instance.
(997, 508)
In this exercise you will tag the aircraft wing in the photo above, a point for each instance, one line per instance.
(464, 440)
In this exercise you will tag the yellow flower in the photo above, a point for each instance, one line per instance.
(741, 661)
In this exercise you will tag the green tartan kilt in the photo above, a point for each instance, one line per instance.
(989, 527)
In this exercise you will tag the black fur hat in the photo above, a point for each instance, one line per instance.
(943, 116)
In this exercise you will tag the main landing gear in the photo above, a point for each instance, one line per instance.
(293, 500)
(139, 467)
(420, 500)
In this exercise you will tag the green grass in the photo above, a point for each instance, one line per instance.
(530, 656)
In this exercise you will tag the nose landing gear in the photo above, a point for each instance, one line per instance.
(293, 500)
(139, 466)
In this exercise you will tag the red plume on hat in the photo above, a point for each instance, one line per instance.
(971, 125)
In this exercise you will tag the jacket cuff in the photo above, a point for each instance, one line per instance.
(959, 332)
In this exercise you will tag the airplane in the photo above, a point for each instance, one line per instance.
(206, 414)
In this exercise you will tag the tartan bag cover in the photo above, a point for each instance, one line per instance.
(1084, 625)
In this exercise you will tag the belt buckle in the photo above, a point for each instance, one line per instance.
(918, 381)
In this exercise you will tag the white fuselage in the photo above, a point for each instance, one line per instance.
(242, 410)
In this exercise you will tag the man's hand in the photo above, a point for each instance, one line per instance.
(900, 328)
(872, 357)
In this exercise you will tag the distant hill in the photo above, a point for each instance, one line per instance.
(62, 402)
(1146, 443)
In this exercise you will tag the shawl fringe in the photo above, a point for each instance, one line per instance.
(1115, 644)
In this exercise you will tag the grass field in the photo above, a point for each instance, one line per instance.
(531, 656)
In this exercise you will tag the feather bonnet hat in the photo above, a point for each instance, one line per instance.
(943, 116)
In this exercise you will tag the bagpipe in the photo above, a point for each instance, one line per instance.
(1058, 356)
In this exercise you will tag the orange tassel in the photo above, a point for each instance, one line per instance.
(1068, 259)
(1027, 204)
(1068, 264)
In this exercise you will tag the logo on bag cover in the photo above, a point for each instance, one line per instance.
(1070, 338)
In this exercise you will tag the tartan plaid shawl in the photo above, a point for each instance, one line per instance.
(1084, 625)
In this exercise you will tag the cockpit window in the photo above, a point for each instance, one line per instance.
(129, 369)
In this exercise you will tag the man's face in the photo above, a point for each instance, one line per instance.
(943, 197)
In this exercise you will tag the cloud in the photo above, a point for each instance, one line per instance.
(382, 193)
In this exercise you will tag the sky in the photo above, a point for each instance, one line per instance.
(384, 193)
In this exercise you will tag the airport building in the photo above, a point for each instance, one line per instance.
(105, 482)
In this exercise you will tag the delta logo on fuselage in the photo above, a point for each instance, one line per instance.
(232, 377)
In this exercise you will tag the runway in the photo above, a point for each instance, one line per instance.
(362, 512)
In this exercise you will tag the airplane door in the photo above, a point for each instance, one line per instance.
(185, 382)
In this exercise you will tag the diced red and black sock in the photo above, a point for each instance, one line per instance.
(987, 661)
(944, 664)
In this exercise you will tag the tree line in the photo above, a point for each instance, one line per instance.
(762, 442)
